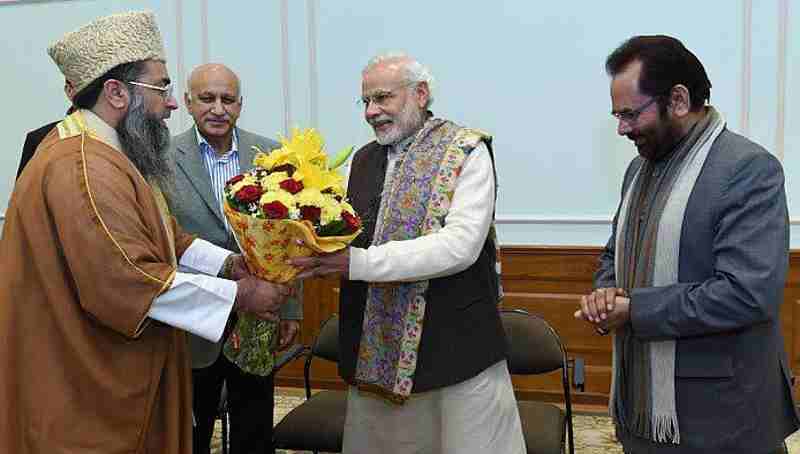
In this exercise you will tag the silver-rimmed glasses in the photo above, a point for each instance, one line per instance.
(381, 97)
(166, 91)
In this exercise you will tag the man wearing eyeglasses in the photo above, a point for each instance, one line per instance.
(98, 281)
(421, 341)
(207, 155)
(691, 280)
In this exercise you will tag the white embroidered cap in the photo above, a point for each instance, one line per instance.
(89, 52)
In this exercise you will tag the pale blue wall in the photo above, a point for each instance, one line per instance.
(529, 72)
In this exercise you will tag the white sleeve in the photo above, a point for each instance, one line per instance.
(204, 257)
(453, 248)
(196, 303)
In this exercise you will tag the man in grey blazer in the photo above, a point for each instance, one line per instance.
(207, 155)
(691, 281)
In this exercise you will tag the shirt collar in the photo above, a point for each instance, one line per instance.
(101, 129)
(204, 145)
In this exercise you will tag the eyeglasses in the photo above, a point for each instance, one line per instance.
(630, 116)
(381, 97)
(166, 91)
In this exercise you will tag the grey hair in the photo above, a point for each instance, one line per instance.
(414, 71)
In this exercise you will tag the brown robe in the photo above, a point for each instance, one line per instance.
(84, 252)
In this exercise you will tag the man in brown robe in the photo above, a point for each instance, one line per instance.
(90, 289)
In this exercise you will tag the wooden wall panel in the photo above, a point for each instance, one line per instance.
(544, 280)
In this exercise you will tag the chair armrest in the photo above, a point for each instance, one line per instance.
(289, 355)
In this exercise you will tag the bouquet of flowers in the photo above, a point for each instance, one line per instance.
(291, 193)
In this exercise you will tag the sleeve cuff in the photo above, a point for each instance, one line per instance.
(204, 257)
(358, 263)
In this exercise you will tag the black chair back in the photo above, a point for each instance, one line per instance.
(326, 345)
(534, 347)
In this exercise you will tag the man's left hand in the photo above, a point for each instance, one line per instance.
(323, 265)
(287, 333)
(618, 316)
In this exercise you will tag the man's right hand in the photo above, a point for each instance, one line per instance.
(261, 298)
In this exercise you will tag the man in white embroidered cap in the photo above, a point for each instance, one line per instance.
(93, 304)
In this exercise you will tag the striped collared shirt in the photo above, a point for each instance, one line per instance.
(220, 168)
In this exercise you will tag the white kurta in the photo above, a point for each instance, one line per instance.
(478, 415)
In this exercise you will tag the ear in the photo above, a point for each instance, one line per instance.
(423, 92)
(69, 90)
(187, 99)
(680, 102)
(116, 94)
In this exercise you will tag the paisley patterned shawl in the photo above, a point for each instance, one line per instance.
(414, 203)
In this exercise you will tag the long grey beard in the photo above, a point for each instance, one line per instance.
(144, 140)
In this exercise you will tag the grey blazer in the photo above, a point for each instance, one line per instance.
(192, 202)
(732, 379)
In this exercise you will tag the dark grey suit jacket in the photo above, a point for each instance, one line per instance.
(192, 202)
(732, 379)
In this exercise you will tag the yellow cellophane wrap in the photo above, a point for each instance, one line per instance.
(266, 245)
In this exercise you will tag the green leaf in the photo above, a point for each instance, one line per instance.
(341, 157)
(334, 228)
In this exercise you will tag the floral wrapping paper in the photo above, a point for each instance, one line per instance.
(266, 245)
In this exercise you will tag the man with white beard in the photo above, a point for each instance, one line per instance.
(421, 341)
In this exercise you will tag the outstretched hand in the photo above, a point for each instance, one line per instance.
(323, 265)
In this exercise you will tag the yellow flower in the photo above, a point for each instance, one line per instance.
(310, 197)
(331, 210)
(276, 158)
(248, 180)
(310, 174)
(332, 180)
(281, 196)
(307, 145)
(271, 182)
(347, 207)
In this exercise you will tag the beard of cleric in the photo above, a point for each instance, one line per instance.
(144, 139)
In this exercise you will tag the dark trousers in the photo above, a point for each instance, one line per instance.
(250, 403)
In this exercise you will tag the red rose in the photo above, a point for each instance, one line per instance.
(310, 213)
(248, 194)
(234, 180)
(291, 186)
(275, 210)
(352, 222)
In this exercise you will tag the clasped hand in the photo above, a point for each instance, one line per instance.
(256, 296)
(605, 309)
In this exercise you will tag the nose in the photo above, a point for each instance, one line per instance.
(172, 103)
(623, 127)
(372, 110)
(217, 107)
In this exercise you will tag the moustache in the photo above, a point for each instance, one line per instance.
(379, 119)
